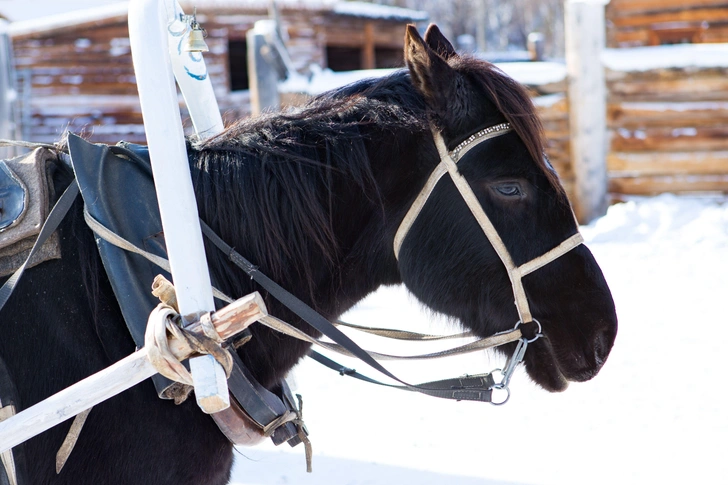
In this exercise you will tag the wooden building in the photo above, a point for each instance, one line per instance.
(75, 71)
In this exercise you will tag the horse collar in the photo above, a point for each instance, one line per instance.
(448, 164)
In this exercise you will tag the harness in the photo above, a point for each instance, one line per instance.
(278, 416)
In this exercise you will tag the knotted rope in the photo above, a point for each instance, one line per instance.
(163, 321)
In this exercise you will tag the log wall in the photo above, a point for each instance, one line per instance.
(80, 77)
(669, 130)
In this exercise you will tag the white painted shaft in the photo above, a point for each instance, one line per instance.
(67, 403)
(163, 125)
(192, 77)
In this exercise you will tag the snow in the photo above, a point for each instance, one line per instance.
(18, 10)
(678, 106)
(548, 100)
(66, 18)
(372, 10)
(654, 414)
(322, 80)
(50, 14)
(679, 56)
(535, 73)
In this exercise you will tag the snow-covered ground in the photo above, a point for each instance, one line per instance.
(656, 414)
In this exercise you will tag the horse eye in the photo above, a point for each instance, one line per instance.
(509, 190)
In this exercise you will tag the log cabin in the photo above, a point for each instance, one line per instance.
(74, 70)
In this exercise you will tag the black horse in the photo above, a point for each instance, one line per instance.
(314, 197)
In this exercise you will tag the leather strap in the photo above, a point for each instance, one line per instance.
(260, 404)
(320, 323)
(59, 211)
(467, 388)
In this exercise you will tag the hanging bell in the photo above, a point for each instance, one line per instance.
(196, 40)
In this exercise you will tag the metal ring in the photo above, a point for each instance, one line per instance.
(508, 395)
(539, 334)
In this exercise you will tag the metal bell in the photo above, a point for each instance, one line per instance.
(196, 40)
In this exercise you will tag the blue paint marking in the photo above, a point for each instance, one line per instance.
(198, 77)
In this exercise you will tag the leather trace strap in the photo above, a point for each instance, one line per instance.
(448, 164)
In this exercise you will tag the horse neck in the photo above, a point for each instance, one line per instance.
(330, 253)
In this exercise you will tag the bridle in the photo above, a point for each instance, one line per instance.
(448, 164)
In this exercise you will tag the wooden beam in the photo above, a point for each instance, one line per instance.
(637, 115)
(368, 55)
(126, 373)
(675, 184)
(662, 163)
(684, 15)
(671, 139)
(618, 8)
(711, 85)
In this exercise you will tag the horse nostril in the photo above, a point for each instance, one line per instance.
(603, 341)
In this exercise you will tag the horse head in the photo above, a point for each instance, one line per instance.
(446, 260)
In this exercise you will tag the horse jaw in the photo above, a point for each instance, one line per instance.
(543, 367)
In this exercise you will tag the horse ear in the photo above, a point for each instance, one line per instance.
(430, 73)
(439, 43)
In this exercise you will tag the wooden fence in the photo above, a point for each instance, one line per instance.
(655, 22)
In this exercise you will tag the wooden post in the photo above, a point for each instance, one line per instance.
(263, 74)
(368, 54)
(585, 41)
(7, 90)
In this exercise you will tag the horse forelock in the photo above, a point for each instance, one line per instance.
(513, 101)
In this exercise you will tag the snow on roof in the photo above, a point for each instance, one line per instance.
(677, 56)
(68, 19)
(372, 10)
(21, 10)
(44, 15)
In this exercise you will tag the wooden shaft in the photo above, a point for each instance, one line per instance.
(119, 377)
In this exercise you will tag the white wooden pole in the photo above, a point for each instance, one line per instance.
(192, 77)
(148, 23)
(585, 41)
(119, 377)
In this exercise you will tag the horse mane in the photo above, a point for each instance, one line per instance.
(279, 171)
